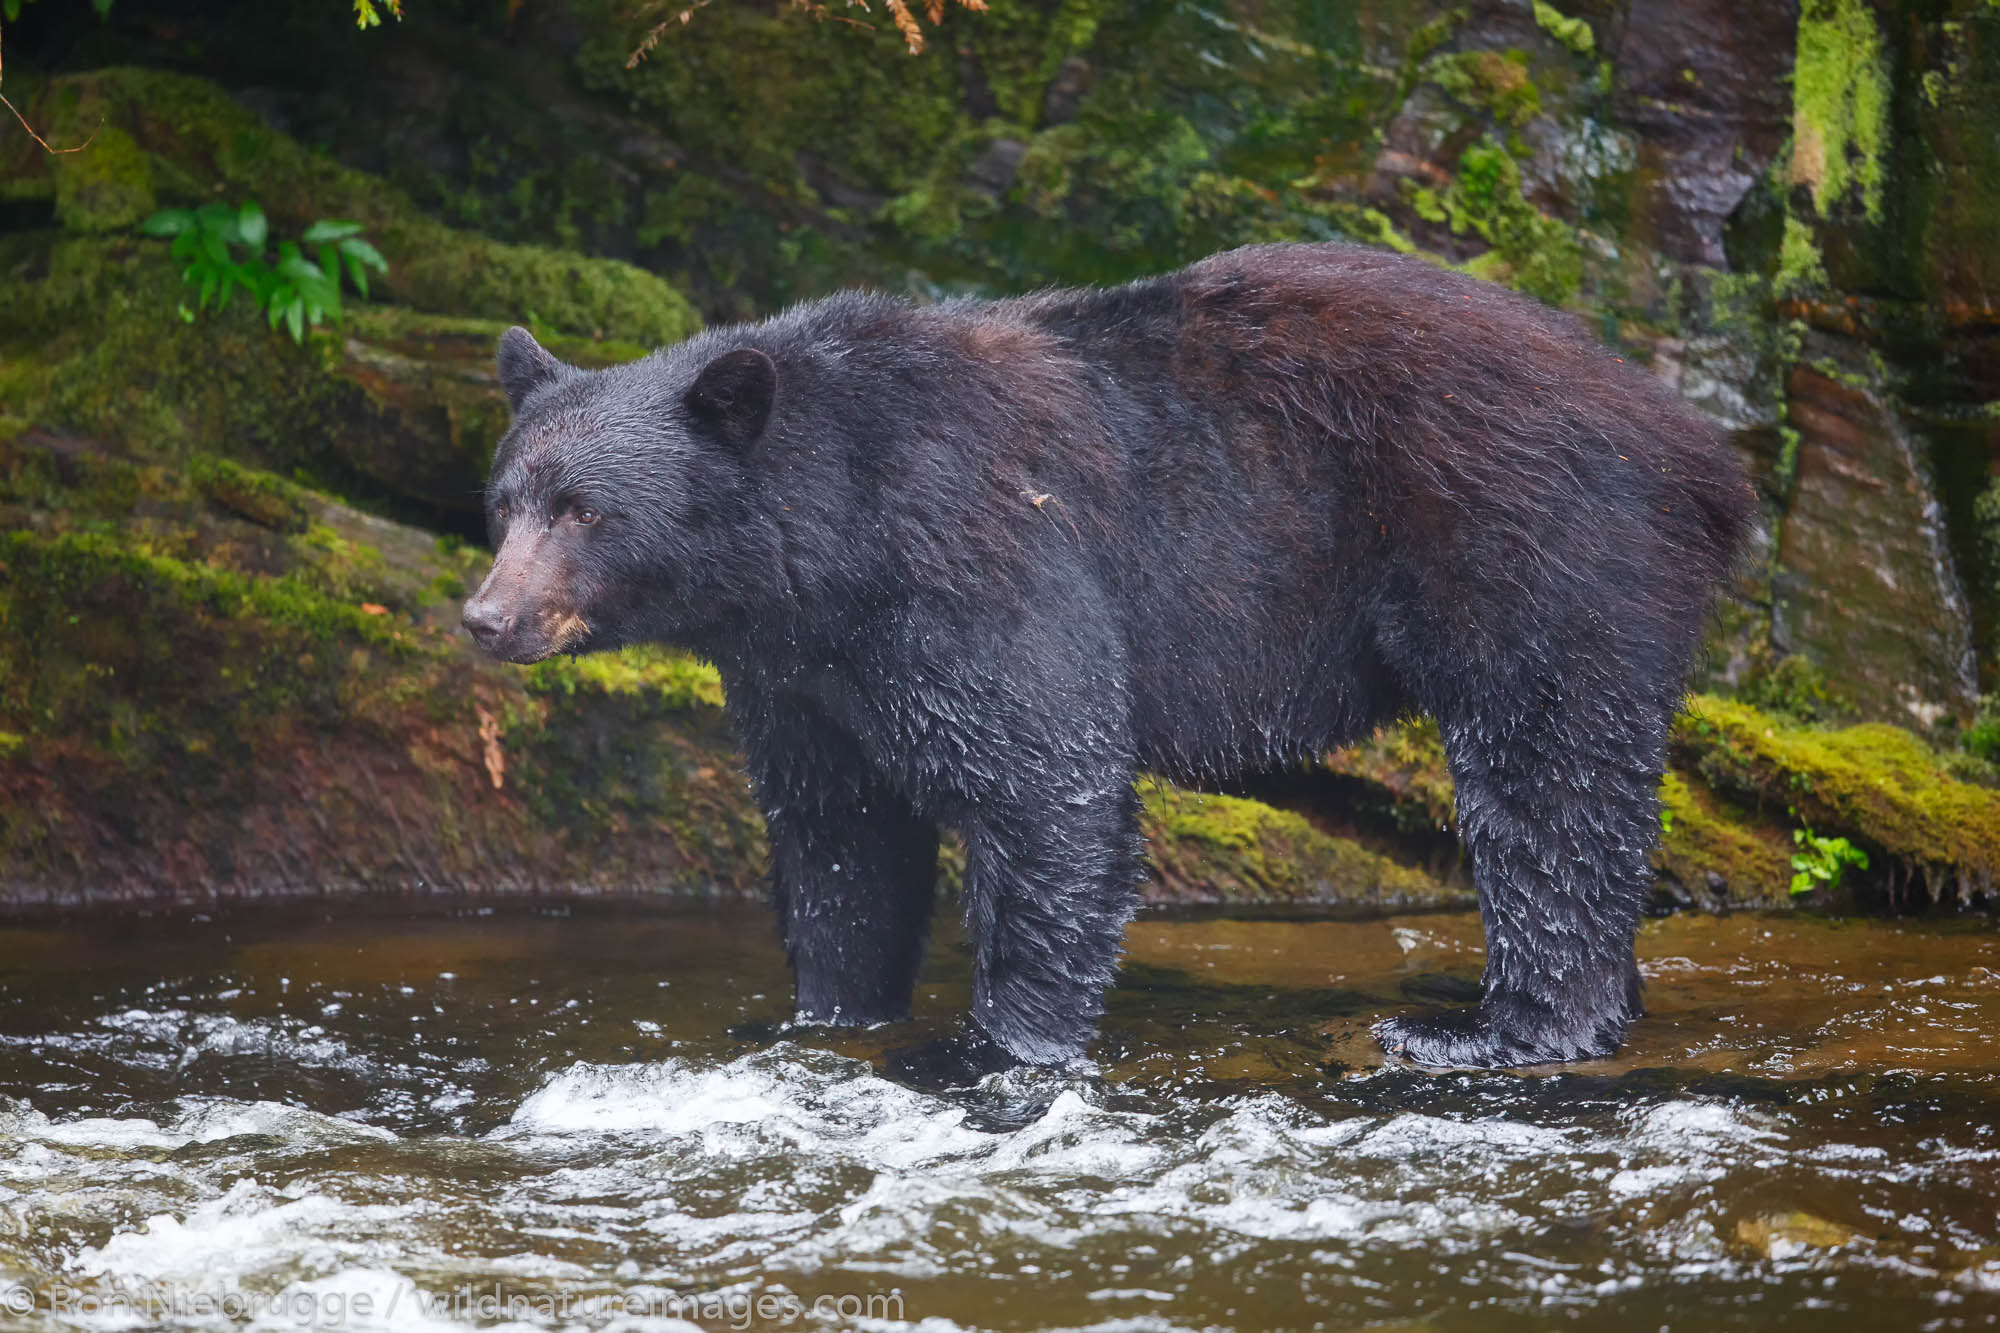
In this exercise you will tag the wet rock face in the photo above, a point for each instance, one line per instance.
(1703, 85)
(1866, 585)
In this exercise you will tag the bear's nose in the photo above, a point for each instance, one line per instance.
(485, 621)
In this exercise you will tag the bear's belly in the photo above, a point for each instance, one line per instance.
(1260, 708)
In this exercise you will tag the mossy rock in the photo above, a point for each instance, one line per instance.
(1224, 849)
(1741, 781)
(107, 185)
(1879, 785)
(394, 408)
(217, 685)
(194, 143)
(397, 408)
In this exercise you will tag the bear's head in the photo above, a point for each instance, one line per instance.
(619, 503)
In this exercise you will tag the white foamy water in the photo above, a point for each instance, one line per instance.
(791, 1169)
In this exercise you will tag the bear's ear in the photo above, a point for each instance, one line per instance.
(732, 395)
(526, 365)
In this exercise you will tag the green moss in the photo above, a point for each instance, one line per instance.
(398, 410)
(1986, 519)
(260, 497)
(1223, 848)
(1181, 131)
(609, 745)
(1840, 104)
(1573, 33)
(1530, 250)
(1800, 270)
(1879, 785)
(191, 713)
(1982, 738)
(1424, 40)
(436, 268)
(1407, 763)
(1700, 839)
(757, 85)
(1495, 82)
(1792, 687)
(671, 679)
(139, 663)
(1742, 778)
(105, 186)
(1378, 228)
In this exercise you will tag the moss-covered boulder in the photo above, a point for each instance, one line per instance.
(215, 684)
(397, 406)
(1225, 849)
(176, 139)
(1743, 788)
(1930, 834)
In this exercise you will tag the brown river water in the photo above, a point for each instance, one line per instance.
(594, 1119)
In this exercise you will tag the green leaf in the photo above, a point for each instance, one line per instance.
(219, 219)
(250, 279)
(168, 222)
(250, 224)
(356, 248)
(103, 8)
(358, 276)
(327, 229)
(295, 319)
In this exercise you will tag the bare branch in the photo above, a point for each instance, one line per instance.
(31, 129)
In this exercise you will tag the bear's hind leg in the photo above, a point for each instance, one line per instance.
(1557, 802)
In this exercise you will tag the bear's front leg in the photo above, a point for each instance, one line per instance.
(1049, 885)
(855, 880)
(854, 871)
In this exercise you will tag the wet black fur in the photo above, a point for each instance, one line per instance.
(978, 564)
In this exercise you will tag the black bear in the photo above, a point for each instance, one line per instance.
(978, 563)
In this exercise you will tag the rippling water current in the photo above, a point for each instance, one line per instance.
(593, 1120)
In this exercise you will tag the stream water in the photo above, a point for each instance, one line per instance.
(349, 1119)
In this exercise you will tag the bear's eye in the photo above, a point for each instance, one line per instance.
(586, 516)
(500, 512)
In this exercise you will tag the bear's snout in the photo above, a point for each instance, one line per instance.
(486, 622)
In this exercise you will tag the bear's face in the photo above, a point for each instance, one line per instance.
(617, 501)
